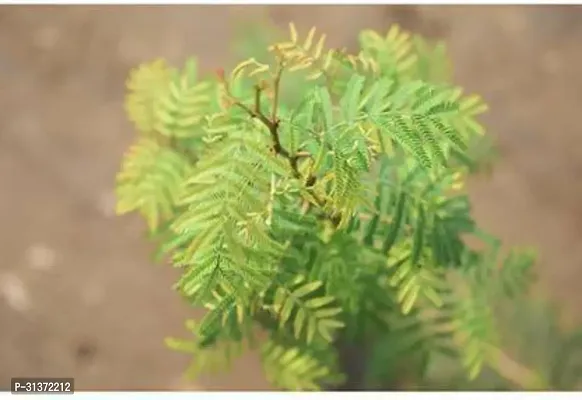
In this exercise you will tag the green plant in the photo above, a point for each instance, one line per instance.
(318, 196)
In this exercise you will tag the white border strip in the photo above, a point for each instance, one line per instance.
(307, 395)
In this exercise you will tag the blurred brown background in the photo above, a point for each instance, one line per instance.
(78, 296)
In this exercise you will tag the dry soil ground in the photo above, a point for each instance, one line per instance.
(80, 297)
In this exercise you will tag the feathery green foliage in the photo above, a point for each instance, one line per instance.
(317, 195)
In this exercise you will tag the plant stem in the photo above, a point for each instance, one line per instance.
(515, 372)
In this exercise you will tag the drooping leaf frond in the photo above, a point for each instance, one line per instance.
(293, 368)
(227, 318)
(206, 359)
(393, 52)
(558, 351)
(474, 331)
(409, 207)
(432, 63)
(150, 181)
(415, 282)
(308, 313)
(225, 223)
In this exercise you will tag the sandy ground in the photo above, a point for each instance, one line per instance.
(80, 296)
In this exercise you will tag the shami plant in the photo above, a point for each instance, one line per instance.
(317, 196)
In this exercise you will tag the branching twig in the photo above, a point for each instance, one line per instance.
(272, 123)
(276, 85)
